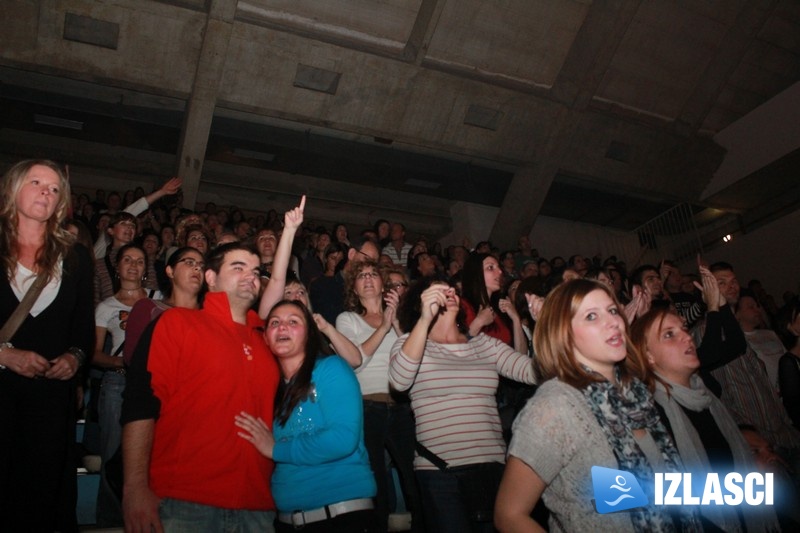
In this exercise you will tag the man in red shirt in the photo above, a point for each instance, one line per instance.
(193, 371)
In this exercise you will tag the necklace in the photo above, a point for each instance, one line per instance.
(131, 292)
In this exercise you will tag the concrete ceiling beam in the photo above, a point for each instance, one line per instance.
(734, 46)
(200, 108)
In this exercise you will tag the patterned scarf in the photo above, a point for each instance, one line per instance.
(620, 410)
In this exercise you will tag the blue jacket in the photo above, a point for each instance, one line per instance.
(320, 457)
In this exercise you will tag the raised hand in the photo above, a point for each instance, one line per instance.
(391, 301)
(485, 316)
(172, 186)
(508, 308)
(639, 305)
(294, 217)
(433, 298)
(322, 324)
(710, 289)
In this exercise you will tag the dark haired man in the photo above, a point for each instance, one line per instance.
(192, 372)
(746, 388)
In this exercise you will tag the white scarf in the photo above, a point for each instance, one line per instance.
(698, 398)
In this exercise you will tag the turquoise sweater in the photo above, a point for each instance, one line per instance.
(319, 454)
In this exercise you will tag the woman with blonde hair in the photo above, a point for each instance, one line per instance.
(595, 410)
(38, 361)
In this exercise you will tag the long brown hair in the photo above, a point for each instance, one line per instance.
(57, 240)
(554, 344)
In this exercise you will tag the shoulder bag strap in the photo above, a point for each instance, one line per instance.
(437, 461)
(21, 312)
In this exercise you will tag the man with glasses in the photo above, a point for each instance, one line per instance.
(193, 371)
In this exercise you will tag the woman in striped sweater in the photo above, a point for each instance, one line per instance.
(452, 379)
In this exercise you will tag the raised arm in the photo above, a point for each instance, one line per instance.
(341, 344)
(520, 340)
(723, 339)
(433, 298)
(172, 186)
(277, 282)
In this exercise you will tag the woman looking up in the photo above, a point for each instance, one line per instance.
(482, 279)
(322, 480)
(595, 410)
(184, 270)
(370, 323)
(705, 433)
(38, 484)
(452, 381)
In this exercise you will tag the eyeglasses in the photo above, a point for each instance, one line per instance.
(396, 285)
(192, 263)
(367, 275)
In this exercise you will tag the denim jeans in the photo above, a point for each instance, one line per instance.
(178, 516)
(109, 508)
(444, 510)
(391, 427)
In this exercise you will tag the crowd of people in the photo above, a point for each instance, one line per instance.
(260, 373)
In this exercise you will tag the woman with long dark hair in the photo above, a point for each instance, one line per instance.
(486, 312)
(38, 484)
(322, 480)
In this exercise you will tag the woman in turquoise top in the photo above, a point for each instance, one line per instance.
(322, 478)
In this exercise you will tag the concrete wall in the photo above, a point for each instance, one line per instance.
(770, 254)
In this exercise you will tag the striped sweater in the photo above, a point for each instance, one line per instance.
(452, 390)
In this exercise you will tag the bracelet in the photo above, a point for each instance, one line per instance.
(79, 354)
(3, 346)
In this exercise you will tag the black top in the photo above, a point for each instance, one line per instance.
(68, 321)
(723, 341)
(717, 449)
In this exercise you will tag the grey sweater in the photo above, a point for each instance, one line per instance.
(557, 435)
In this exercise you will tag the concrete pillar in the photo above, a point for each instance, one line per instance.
(200, 108)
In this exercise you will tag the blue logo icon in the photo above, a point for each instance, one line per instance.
(616, 490)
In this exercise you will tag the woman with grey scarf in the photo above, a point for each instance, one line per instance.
(707, 437)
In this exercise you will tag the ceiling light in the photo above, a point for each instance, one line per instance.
(727, 238)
